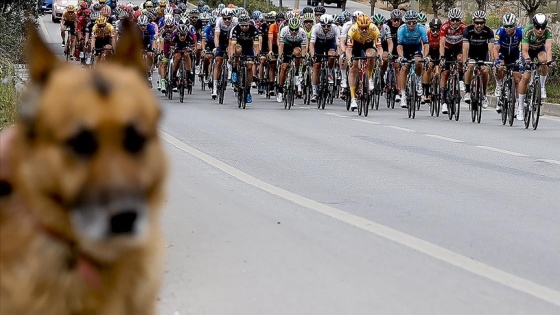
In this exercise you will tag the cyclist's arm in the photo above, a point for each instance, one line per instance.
(548, 48)
(304, 47)
(389, 44)
(491, 41)
(280, 48)
(312, 48)
(525, 50)
(217, 37)
(466, 45)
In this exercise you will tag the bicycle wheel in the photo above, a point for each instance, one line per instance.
(527, 108)
(377, 89)
(504, 101)
(410, 94)
(308, 88)
(511, 101)
(457, 102)
(365, 94)
(451, 100)
(222, 82)
(536, 108)
(436, 97)
(245, 86)
(170, 79)
(181, 77)
(347, 99)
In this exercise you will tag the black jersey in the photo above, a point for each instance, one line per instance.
(478, 42)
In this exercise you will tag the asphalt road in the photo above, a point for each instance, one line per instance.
(309, 211)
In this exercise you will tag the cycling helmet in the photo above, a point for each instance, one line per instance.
(326, 19)
(509, 19)
(194, 12)
(84, 5)
(244, 19)
(143, 20)
(102, 1)
(168, 10)
(148, 4)
(307, 10)
(101, 21)
(221, 6)
(290, 15)
(308, 17)
(182, 29)
(212, 21)
(435, 24)
(205, 8)
(177, 11)
(396, 14)
(227, 12)
(168, 20)
(363, 20)
(455, 13)
(294, 23)
(205, 16)
(479, 14)
(280, 16)
(347, 15)
(540, 20)
(356, 13)
(341, 19)
(201, 3)
(94, 16)
(87, 12)
(256, 14)
(184, 18)
(135, 7)
(411, 15)
(162, 3)
(320, 9)
(422, 18)
(106, 10)
(71, 8)
(378, 18)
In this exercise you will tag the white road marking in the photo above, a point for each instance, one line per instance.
(44, 29)
(337, 115)
(401, 128)
(512, 281)
(368, 121)
(501, 151)
(444, 138)
(303, 107)
(550, 161)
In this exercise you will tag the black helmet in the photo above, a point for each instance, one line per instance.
(320, 9)
(435, 23)
(307, 10)
(280, 16)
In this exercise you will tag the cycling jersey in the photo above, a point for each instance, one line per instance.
(298, 39)
(433, 41)
(478, 42)
(208, 35)
(273, 33)
(407, 37)
(69, 16)
(355, 36)
(536, 43)
(246, 39)
(509, 45)
(453, 37)
(103, 32)
(147, 37)
(345, 28)
(393, 30)
(263, 31)
(319, 37)
(179, 44)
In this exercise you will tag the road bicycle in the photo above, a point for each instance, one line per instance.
(183, 82)
(306, 87)
(290, 83)
(324, 88)
(223, 79)
(242, 84)
(508, 98)
(102, 54)
(391, 83)
(362, 85)
(377, 85)
(435, 78)
(533, 99)
(412, 96)
(477, 90)
(453, 92)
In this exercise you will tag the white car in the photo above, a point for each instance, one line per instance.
(58, 8)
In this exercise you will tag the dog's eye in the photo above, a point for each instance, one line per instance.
(133, 141)
(83, 143)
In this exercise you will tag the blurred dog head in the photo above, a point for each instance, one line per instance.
(89, 157)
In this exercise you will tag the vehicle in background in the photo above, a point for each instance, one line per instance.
(45, 5)
(58, 8)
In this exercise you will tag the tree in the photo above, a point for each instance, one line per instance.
(531, 6)
(396, 3)
(441, 4)
(14, 15)
(372, 3)
(481, 4)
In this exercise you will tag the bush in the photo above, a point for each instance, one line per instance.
(8, 95)
(252, 5)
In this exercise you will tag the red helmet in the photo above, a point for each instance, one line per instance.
(87, 12)
(84, 5)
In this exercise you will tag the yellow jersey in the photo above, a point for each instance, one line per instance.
(69, 16)
(103, 32)
(371, 36)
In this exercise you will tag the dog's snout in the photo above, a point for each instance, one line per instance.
(124, 222)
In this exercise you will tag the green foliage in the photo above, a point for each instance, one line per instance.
(252, 5)
(494, 21)
(8, 95)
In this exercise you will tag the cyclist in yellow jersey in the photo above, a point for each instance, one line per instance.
(69, 20)
(103, 36)
(362, 38)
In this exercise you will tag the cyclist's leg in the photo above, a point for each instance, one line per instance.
(543, 72)
(176, 60)
(468, 78)
(315, 77)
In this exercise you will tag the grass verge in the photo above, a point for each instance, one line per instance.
(8, 94)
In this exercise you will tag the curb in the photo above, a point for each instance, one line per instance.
(550, 109)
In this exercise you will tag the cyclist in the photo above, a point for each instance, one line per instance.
(363, 39)
(536, 44)
(433, 53)
(508, 39)
(264, 45)
(245, 39)
(224, 25)
(412, 41)
(166, 34)
(386, 40)
(292, 41)
(69, 20)
(182, 41)
(147, 34)
(478, 43)
(198, 26)
(103, 36)
(324, 39)
(422, 19)
(451, 49)
(394, 23)
(273, 30)
(81, 26)
(319, 11)
(208, 47)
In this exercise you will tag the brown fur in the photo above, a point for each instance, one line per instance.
(46, 267)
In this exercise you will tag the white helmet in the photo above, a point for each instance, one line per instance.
(168, 10)
(168, 20)
(326, 19)
(479, 14)
(356, 13)
(509, 19)
(143, 20)
(455, 13)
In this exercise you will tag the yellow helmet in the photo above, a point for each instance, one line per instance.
(363, 20)
(101, 21)
(162, 3)
(71, 8)
(102, 1)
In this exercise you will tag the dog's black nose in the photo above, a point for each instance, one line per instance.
(123, 223)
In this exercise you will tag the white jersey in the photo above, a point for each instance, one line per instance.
(345, 28)
(318, 35)
(222, 28)
(385, 33)
(300, 38)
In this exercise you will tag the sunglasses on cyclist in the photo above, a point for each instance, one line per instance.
(363, 28)
(307, 21)
(325, 26)
(293, 30)
(455, 20)
(539, 27)
(509, 26)
(411, 22)
(227, 18)
(479, 22)
(318, 15)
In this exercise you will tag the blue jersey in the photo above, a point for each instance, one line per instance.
(509, 45)
(148, 36)
(406, 37)
(208, 35)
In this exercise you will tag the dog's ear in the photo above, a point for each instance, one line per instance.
(40, 59)
(128, 49)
